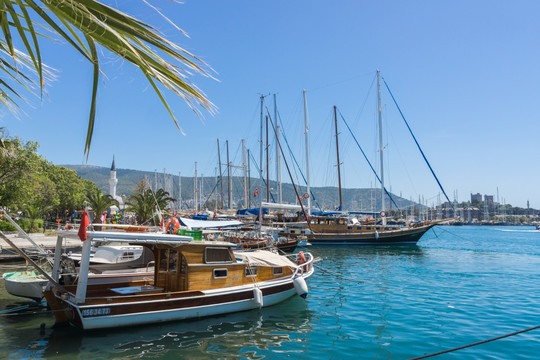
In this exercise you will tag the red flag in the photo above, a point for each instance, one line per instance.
(84, 223)
(256, 192)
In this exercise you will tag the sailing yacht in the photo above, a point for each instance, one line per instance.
(343, 230)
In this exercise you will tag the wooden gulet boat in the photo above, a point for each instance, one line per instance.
(192, 279)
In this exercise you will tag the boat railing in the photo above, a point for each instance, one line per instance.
(303, 266)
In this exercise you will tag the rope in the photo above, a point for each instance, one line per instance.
(476, 343)
(417, 144)
(369, 163)
(23, 307)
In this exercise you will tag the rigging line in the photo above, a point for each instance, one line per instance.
(293, 157)
(417, 144)
(211, 193)
(451, 233)
(366, 98)
(371, 166)
(476, 343)
(260, 176)
(292, 181)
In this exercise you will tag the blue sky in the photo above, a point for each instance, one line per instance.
(465, 74)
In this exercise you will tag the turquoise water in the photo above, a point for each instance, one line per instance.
(459, 285)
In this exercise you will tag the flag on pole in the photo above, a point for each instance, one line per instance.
(256, 192)
(84, 223)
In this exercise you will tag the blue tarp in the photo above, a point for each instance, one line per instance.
(254, 211)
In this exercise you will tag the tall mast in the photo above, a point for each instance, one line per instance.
(307, 153)
(267, 164)
(228, 176)
(261, 164)
(249, 179)
(338, 163)
(179, 191)
(381, 148)
(245, 173)
(201, 189)
(220, 177)
(195, 189)
(278, 156)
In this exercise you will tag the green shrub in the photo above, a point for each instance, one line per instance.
(6, 226)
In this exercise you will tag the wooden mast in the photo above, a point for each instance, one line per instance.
(338, 163)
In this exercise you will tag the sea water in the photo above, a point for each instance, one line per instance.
(458, 286)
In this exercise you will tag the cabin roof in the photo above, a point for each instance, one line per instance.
(142, 238)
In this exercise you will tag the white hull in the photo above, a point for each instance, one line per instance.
(156, 316)
(28, 284)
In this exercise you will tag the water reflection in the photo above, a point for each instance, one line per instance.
(251, 334)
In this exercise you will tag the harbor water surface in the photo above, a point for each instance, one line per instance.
(459, 285)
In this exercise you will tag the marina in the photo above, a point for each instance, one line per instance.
(457, 286)
(269, 180)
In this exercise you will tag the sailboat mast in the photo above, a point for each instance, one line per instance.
(338, 163)
(267, 164)
(229, 182)
(278, 157)
(261, 164)
(220, 177)
(307, 153)
(379, 106)
(245, 173)
(195, 190)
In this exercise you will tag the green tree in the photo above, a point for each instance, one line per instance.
(18, 166)
(28, 179)
(100, 203)
(144, 202)
(85, 25)
(35, 215)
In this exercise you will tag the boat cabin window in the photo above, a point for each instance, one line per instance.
(173, 258)
(217, 255)
(168, 260)
(128, 255)
(163, 259)
(220, 273)
(251, 271)
(277, 271)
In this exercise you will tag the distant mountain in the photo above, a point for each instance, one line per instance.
(324, 197)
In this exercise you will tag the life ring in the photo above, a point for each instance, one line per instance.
(301, 258)
(383, 213)
(172, 225)
(305, 196)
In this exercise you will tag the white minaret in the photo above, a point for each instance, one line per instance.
(112, 184)
(113, 180)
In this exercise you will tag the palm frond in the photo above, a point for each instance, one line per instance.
(83, 24)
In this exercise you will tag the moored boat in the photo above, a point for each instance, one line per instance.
(192, 279)
(327, 230)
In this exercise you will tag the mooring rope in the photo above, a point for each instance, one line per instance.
(474, 344)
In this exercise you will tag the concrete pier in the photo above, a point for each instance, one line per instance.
(48, 243)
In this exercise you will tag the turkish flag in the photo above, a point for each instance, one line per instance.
(84, 223)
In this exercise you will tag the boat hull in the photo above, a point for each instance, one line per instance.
(158, 308)
(407, 236)
(28, 284)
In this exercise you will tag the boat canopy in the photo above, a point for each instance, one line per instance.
(138, 238)
(264, 258)
(291, 207)
(253, 211)
(209, 224)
